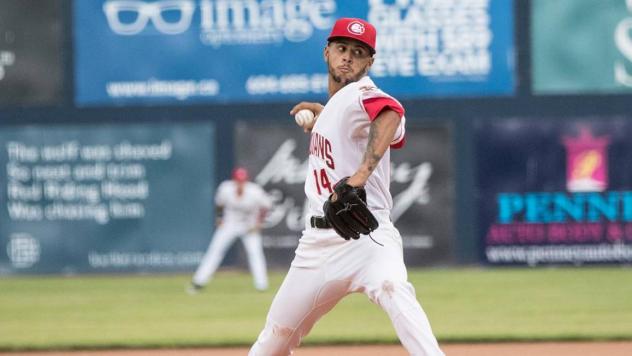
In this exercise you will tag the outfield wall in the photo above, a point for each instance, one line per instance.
(118, 120)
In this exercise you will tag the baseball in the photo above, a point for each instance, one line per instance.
(304, 118)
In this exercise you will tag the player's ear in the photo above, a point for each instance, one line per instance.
(368, 66)
(326, 53)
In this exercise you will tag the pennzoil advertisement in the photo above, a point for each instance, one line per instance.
(422, 187)
(555, 191)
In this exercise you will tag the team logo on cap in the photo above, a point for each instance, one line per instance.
(356, 28)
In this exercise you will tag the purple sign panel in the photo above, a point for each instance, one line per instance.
(555, 192)
(422, 186)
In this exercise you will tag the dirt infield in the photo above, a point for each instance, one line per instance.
(499, 349)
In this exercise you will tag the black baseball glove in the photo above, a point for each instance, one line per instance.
(346, 211)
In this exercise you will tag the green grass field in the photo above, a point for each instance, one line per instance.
(464, 304)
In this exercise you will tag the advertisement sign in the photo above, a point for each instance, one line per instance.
(30, 52)
(106, 198)
(201, 51)
(555, 192)
(582, 46)
(422, 186)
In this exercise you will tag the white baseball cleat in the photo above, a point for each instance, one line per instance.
(193, 289)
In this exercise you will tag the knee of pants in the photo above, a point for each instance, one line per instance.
(392, 294)
(275, 340)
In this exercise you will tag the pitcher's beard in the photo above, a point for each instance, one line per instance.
(340, 80)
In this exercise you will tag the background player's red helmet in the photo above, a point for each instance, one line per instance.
(240, 174)
(356, 29)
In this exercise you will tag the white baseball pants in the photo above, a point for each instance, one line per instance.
(224, 236)
(325, 270)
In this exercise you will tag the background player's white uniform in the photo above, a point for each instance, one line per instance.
(326, 267)
(239, 220)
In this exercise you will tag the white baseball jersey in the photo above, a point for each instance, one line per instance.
(241, 209)
(339, 140)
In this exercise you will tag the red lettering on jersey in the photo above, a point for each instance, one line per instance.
(320, 147)
(328, 158)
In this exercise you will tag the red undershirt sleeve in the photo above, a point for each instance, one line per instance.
(374, 106)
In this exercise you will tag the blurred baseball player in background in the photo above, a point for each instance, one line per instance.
(241, 208)
(350, 141)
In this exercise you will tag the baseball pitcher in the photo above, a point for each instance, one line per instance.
(349, 243)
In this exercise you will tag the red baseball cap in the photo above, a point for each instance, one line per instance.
(240, 174)
(356, 29)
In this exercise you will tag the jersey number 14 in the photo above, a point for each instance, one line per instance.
(322, 181)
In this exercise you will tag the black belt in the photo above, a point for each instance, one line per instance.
(319, 222)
